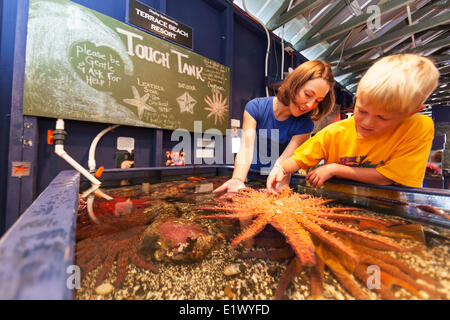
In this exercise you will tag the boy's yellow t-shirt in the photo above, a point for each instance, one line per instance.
(400, 154)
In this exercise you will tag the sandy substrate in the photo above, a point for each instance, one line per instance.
(257, 278)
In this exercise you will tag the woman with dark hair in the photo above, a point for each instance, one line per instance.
(307, 94)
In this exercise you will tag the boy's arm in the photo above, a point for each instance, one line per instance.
(366, 175)
(306, 156)
(279, 172)
(295, 142)
(406, 166)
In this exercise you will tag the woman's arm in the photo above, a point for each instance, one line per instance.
(245, 154)
(366, 175)
(243, 158)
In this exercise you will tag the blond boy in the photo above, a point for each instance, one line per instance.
(386, 141)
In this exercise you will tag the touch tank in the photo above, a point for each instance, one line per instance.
(169, 237)
(166, 236)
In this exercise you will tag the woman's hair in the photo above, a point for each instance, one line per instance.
(399, 83)
(314, 69)
(437, 156)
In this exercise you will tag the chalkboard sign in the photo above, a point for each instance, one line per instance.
(86, 66)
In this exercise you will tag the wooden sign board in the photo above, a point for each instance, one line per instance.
(83, 65)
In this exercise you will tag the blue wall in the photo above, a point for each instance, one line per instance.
(221, 33)
(441, 113)
(7, 33)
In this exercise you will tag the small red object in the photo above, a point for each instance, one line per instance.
(99, 172)
(49, 136)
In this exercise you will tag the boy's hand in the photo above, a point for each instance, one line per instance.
(318, 176)
(275, 177)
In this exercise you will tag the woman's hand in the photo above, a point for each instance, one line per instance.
(275, 180)
(318, 176)
(231, 186)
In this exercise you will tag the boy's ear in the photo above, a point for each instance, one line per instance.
(418, 109)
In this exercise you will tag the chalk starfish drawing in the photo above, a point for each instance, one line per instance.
(186, 103)
(217, 107)
(139, 102)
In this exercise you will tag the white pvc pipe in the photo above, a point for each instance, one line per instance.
(92, 189)
(103, 195)
(60, 124)
(59, 150)
(91, 162)
(90, 208)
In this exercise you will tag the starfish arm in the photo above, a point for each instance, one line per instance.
(361, 273)
(401, 265)
(135, 92)
(298, 238)
(388, 280)
(145, 97)
(371, 244)
(227, 216)
(256, 227)
(317, 279)
(139, 262)
(321, 202)
(399, 274)
(208, 101)
(106, 267)
(225, 209)
(348, 282)
(85, 245)
(130, 101)
(140, 111)
(326, 237)
(344, 217)
(85, 256)
(334, 210)
(122, 263)
(289, 274)
(92, 264)
(86, 252)
(341, 228)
